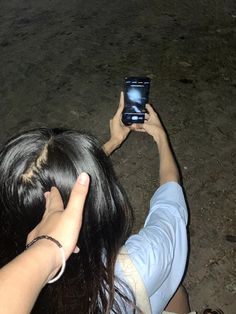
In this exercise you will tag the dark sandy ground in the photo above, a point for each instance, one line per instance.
(62, 63)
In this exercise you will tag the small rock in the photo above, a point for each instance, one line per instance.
(231, 287)
(151, 75)
(185, 64)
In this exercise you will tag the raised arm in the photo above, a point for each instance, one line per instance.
(118, 131)
(159, 250)
(152, 125)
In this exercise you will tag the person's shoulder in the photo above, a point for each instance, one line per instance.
(152, 259)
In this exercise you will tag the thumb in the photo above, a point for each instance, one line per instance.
(78, 195)
(121, 105)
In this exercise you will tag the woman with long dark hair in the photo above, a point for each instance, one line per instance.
(96, 280)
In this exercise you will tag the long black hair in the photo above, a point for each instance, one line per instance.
(30, 164)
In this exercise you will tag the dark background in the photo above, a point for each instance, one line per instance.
(62, 63)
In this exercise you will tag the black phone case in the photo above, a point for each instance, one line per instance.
(136, 95)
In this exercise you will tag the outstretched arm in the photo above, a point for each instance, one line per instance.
(23, 278)
(118, 131)
(152, 125)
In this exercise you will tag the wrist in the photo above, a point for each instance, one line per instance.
(160, 136)
(48, 257)
(117, 140)
(111, 145)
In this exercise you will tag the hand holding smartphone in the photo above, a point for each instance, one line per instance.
(136, 95)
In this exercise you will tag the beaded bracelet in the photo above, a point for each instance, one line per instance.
(63, 266)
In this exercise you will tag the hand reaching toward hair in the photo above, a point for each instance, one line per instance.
(27, 274)
(63, 224)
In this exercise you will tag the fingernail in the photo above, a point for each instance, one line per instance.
(46, 194)
(83, 178)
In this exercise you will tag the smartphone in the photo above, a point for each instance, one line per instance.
(136, 94)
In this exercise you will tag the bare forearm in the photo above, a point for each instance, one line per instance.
(118, 130)
(168, 168)
(22, 279)
(110, 146)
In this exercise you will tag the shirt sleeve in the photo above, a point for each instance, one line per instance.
(159, 250)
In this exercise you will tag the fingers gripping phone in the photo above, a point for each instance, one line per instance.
(136, 94)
